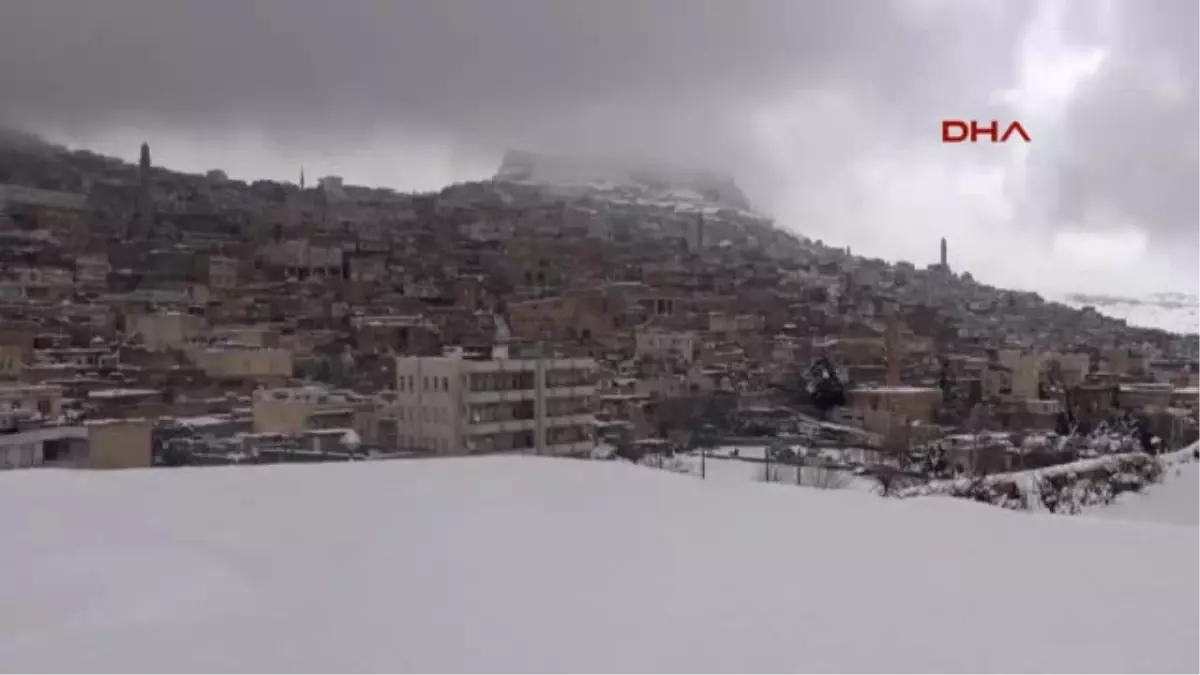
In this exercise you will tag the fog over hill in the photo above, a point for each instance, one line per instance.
(641, 177)
(1175, 312)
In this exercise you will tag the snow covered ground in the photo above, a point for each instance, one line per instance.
(530, 564)
(1175, 501)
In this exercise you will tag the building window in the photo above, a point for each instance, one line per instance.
(445, 384)
(401, 384)
(425, 383)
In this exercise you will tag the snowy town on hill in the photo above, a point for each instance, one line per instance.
(150, 318)
(582, 417)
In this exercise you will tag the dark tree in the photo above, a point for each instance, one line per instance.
(825, 389)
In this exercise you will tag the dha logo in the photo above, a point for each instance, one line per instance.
(969, 131)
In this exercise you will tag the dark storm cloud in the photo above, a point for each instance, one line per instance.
(1127, 155)
(482, 69)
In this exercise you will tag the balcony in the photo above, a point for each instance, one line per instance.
(499, 427)
(577, 391)
(501, 396)
(574, 420)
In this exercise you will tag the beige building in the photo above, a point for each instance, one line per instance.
(882, 409)
(12, 360)
(119, 444)
(454, 405)
(1072, 368)
(267, 364)
(97, 444)
(222, 274)
(1126, 361)
(1024, 370)
(171, 330)
(246, 336)
(31, 399)
(293, 410)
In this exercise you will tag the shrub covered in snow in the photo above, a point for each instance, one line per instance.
(1067, 488)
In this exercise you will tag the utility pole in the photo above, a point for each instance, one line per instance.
(703, 437)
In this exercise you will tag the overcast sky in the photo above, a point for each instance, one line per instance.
(827, 113)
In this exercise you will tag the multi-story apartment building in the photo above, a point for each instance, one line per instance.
(452, 404)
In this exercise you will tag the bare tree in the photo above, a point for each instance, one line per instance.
(889, 480)
(1018, 438)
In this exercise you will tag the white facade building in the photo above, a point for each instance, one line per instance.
(455, 405)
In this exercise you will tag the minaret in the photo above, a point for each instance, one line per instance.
(502, 337)
(144, 162)
(145, 207)
(301, 179)
(891, 347)
(944, 252)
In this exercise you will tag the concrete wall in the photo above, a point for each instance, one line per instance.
(124, 444)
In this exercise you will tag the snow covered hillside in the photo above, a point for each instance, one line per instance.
(1175, 501)
(530, 564)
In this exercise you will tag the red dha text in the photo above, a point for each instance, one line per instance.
(969, 131)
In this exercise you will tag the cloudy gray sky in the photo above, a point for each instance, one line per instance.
(827, 112)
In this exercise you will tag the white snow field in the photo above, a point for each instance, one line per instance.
(511, 564)
(1174, 501)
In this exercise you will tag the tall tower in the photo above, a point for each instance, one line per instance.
(943, 252)
(145, 205)
(891, 347)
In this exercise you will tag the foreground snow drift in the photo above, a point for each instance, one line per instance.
(1176, 500)
(527, 564)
